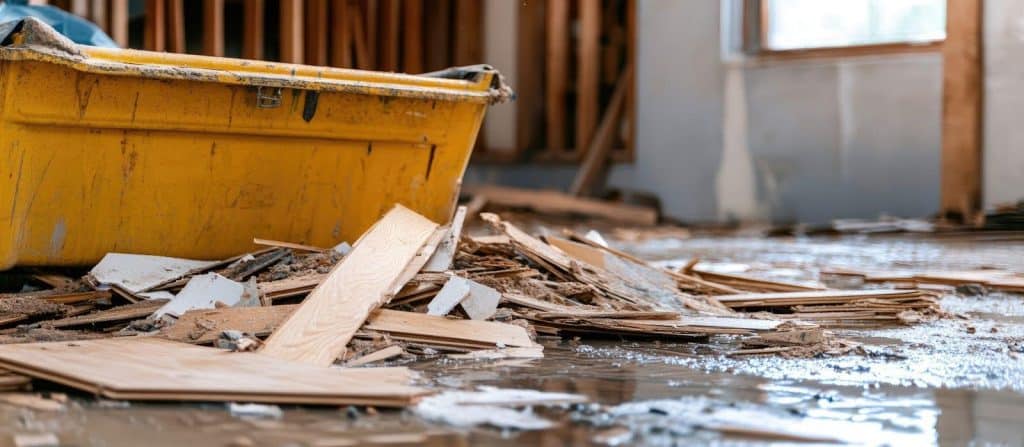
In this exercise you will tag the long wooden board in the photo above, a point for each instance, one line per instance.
(812, 297)
(127, 312)
(426, 326)
(319, 330)
(146, 368)
(554, 202)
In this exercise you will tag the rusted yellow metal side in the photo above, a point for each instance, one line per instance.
(191, 156)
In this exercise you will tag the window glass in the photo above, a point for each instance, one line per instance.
(798, 24)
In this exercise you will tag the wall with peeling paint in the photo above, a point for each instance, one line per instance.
(801, 141)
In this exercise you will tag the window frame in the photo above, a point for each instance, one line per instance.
(755, 28)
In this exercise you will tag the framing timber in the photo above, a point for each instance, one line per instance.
(962, 101)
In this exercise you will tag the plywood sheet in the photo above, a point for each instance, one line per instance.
(153, 369)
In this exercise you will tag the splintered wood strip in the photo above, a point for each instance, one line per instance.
(77, 297)
(750, 284)
(376, 356)
(152, 369)
(554, 202)
(618, 315)
(414, 266)
(423, 325)
(12, 381)
(649, 294)
(293, 246)
(811, 297)
(534, 303)
(127, 312)
(681, 277)
(290, 287)
(319, 330)
(442, 259)
(54, 296)
(204, 326)
(54, 280)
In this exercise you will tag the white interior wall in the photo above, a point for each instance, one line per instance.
(1003, 139)
(787, 141)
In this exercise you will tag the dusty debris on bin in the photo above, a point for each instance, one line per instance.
(410, 287)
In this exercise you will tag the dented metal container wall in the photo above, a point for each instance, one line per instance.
(117, 150)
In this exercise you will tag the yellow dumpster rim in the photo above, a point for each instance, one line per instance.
(54, 48)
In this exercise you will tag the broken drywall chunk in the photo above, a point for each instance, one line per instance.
(482, 301)
(138, 273)
(203, 292)
(451, 294)
(342, 248)
(595, 237)
(441, 261)
(255, 410)
(376, 356)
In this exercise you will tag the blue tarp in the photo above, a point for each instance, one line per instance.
(77, 29)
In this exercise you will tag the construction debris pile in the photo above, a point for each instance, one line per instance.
(134, 324)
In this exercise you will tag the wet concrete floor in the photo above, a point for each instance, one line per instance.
(950, 382)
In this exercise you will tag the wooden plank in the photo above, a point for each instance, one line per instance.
(341, 34)
(376, 356)
(80, 8)
(147, 368)
(252, 29)
(288, 287)
(595, 160)
(204, 326)
(360, 39)
(98, 14)
(176, 25)
(127, 312)
(318, 332)
(468, 32)
(558, 35)
(119, 22)
(155, 33)
(437, 38)
(530, 49)
(428, 326)
(293, 246)
(316, 32)
(628, 153)
(588, 74)
(370, 10)
(962, 110)
(442, 259)
(291, 31)
(388, 36)
(412, 36)
(554, 202)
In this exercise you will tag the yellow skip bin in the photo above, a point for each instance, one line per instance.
(118, 150)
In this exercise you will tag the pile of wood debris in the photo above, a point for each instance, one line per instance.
(408, 287)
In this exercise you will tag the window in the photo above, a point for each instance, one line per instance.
(798, 25)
